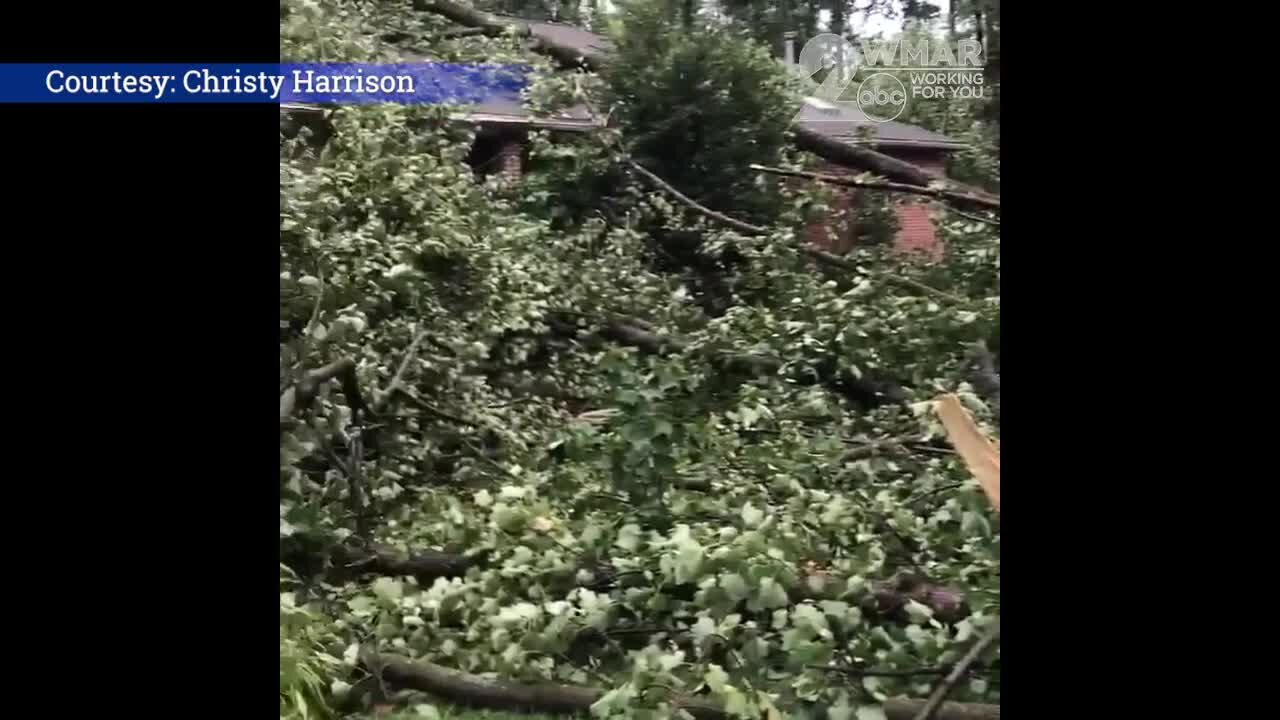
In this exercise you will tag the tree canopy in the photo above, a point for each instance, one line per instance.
(575, 433)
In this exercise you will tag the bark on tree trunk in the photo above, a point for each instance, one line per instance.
(982, 201)
(475, 691)
(838, 27)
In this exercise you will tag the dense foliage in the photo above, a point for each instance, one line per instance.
(698, 106)
(650, 491)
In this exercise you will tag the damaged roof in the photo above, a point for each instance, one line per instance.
(845, 124)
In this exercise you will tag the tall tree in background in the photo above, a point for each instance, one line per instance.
(980, 20)
(919, 10)
(699, 106)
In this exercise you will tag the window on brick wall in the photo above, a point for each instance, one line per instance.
(494, 153)
(485, 158)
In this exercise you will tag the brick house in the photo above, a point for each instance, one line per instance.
(507, 122)
(916, 145)
(503, 125)
(502, 134)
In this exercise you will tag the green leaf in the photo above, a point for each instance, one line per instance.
(808, 616)
(841, 710)
(351, 655)
(362, 605)
(770, 594)
(874, 686)
(871, 712)
(388, 590)
(702, 629)
(609, 703)
(426, 711)
(734, 586)
(628, 537)
(736, 704)
(751, 516)
(689, 561)
(716, 678)
(919, 613)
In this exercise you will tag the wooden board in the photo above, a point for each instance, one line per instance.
(980, 454)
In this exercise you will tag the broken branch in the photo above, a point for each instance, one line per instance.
(842, 153)
(930, 709)
(425, 565)
(303, 393)
(983, 200)
(980, 455)
(398, 379)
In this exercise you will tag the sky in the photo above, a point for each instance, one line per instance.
(886, 26)
(876, 24)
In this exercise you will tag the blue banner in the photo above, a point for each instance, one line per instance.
(328, 83)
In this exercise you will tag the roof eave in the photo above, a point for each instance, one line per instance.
(518, 121)
(483, 119)
(911, 144)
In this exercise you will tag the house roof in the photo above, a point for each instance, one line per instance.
(843, 123)
(573, 36)
(846, 123)
(510, 110)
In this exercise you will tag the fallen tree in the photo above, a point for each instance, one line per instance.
(985, 201)
(592, 59)
(553, 698)
(651, 517)
(493, 25)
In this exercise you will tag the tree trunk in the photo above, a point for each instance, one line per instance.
(476, 691)
(839, 26)
(982, 201)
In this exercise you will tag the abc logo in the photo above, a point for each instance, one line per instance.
(882, 97)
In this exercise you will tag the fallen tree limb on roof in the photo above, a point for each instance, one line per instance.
(821, 256)
(858, 156)
(806, 138)
(494, 25)
(476, 691)
(983, 200)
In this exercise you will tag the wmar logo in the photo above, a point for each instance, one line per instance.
(933, 68)
(881, 97)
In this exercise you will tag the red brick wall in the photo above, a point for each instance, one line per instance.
(511, 159)
(834, 232)
(917, 231)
